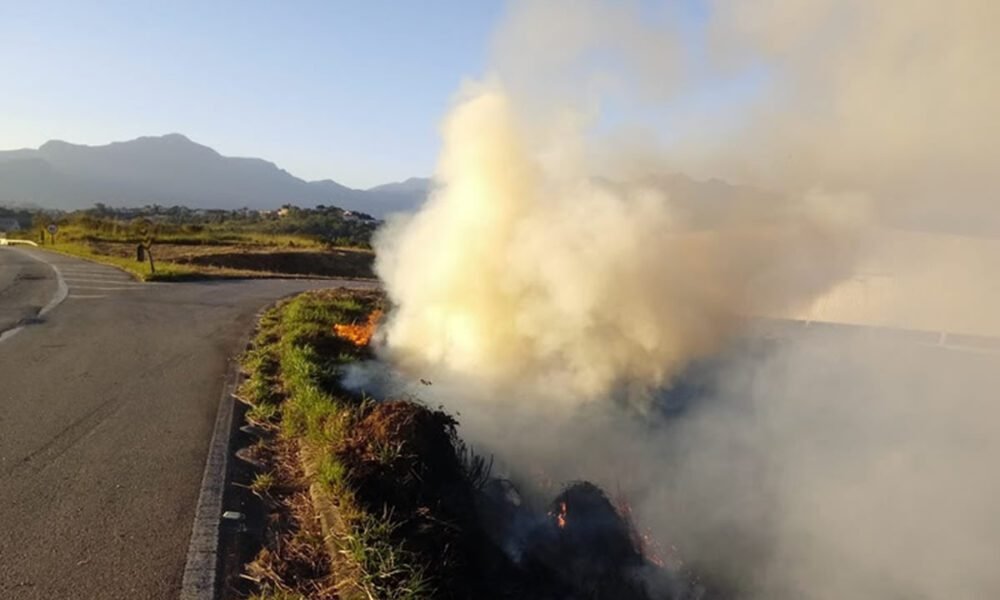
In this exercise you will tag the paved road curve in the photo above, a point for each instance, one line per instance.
(106, 411)
(26, 286)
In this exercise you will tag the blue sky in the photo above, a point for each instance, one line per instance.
(348, 90)
(352, 91)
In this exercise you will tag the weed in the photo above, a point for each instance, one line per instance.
(262, 484)
(389, 571)
(387, 452)
(374, 460)
(477, 468)
(257, 389)
(263, 414)
(331, 473)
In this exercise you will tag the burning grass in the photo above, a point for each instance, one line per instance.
(390, 492)
(381, 499)
(359, 334)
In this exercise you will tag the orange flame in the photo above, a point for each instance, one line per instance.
(649, 547)
(359, 334)
(652, 550)
(561, 517)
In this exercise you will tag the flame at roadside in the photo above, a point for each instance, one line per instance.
(359, 334)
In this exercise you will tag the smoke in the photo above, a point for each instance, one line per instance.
(524, 268)
(563, 265)
(895, 97)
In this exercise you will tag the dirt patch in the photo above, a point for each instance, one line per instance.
(332, 263)
(335, 262)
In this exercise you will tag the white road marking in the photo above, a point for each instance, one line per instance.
(10, 333)
(61, 292)
(103, 288)
(96, 280)
(98, 272)
(85, 296)
(99, 275)
(101, 270)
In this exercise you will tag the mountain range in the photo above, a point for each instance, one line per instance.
(173, 170)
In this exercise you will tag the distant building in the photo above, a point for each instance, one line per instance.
(8, 225)
(350, 215)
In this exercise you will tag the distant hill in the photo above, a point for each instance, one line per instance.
(173, 170)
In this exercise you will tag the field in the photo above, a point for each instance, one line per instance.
(216, 244)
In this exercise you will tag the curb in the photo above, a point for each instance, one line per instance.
(201, 569)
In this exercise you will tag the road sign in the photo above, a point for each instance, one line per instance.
(52, 228)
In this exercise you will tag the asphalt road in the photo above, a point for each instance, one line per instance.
(107, 405)
(26, 286)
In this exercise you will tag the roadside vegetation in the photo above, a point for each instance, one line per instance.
(371, 499)
(187, 243)
(378, 498)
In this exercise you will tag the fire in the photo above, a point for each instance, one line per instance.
(561, 517)
(648, 545)
(359, 334)
(652, 550)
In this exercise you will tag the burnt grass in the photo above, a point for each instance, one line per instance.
(415, 513)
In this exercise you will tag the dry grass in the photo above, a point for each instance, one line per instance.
(176, 262)
(295, 562)
(390, 477)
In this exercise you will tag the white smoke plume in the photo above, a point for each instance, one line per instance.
(522, 267)
(896, 97)
(562, 263)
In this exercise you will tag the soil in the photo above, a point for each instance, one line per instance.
(330, 263)
(334, 262)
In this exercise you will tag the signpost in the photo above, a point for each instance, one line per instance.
(52, 228)
(147, 230)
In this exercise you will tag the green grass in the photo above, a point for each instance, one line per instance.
(80, 250)
(140, 270)
(259, 388)
(389, 571)
(284, 356)
(206, 236)
(182, 255)
(263, 414)
(291, 352)
(331, 473)
(75, 240)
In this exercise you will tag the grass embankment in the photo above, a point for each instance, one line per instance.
(164, 271)
(226, 256)
(388, 481)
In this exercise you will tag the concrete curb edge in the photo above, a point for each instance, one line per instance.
(200, 580)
